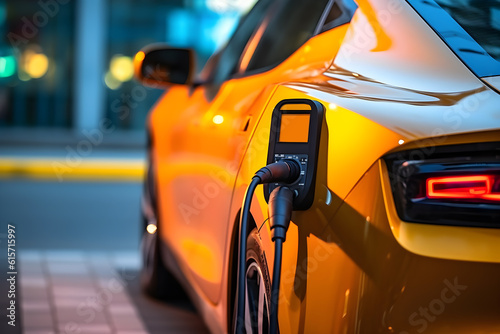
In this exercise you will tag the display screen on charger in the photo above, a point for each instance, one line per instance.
(294, 128)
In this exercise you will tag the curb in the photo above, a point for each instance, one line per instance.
(57, 168)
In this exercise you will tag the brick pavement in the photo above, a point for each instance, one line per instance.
(89, 292)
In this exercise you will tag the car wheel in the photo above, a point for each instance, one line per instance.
(156, 279)
(258, 287)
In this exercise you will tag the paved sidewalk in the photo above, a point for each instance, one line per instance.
(95, 293)
(77, 292)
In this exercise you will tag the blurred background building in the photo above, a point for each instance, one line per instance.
(65, 65)
(65, 70)
(70, 190)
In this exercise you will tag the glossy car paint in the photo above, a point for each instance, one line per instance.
(350, 265)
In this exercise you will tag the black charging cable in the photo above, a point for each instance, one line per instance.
(280, 213)
(284, 171)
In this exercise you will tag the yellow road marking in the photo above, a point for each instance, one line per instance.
(62, 170)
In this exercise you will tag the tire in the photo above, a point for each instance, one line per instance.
(258, 287)
(156, 280)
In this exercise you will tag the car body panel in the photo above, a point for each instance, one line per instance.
(384, 43)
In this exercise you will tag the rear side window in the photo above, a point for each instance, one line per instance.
(339, 12)
(481, 19)
(470, 28)
(292, 23)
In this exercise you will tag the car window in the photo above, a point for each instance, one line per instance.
(471, 28)
(481, 19)
(224, 63)
(340, 12)
(293, 22)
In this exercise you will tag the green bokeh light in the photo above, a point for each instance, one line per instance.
(7, 66)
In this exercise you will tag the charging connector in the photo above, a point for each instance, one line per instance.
(283, 171)
(280, 213)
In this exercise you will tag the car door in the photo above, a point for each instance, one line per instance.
(197, 151)
(205, 130)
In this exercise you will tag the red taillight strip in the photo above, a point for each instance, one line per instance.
(462, 187)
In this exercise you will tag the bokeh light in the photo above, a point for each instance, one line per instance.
(35, 64)
(7, 66)
(151, 228)
(223, 6)
(111, 82)
(122, 68)
(218, 119)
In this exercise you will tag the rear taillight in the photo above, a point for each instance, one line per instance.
(455, 185)
(459, 187)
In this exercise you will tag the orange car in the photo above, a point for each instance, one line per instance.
(385, 117)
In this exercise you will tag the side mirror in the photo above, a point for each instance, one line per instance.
(159, 65)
